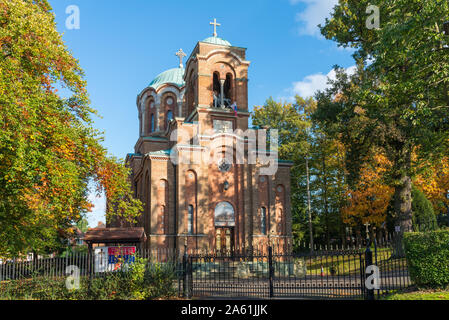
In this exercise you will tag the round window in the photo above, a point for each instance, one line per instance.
(170, 101)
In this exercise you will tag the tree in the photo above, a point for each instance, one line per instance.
(48, 149)
(317, 173)
(368, 201)
(82, 225)
(423, 215)
(400, 89)
(434, 182)
(293, 124)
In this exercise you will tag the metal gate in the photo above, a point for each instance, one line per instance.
(339, 274)
(323, 275)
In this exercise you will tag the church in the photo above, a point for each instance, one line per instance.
(201, 172)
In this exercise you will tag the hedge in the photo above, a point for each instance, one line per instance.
(427, 256)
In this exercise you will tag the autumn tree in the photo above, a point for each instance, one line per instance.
(368, 201)
(49, 151)
(434, 182)
(399, 91)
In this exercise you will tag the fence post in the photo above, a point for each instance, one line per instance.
(369, 262)
(270, 270)
(185, 267)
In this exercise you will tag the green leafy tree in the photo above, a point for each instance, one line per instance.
(82, 224)
(317, 159)
(398, 99)
(424, 217)
(49, 151)
(291, 121)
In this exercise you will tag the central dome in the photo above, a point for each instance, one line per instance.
(217, 40)
(173, 76)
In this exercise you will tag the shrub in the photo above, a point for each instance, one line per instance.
(424, 218)
(428, 257)
(159, 279)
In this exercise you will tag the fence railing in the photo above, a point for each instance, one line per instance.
(263, 271)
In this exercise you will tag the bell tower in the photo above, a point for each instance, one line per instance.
(216, 80)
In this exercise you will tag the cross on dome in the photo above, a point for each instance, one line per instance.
(215, 24)
(180, 54)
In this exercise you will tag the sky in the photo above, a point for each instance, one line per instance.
(123, 45)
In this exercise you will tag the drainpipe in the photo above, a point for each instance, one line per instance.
(175, 184)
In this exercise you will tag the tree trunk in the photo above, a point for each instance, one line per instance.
(403, 204)
(403, 210)
(326, 209)
(358, 237)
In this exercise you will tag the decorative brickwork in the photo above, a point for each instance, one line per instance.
(215, 204)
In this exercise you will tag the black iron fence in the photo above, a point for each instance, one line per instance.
(315, 274)
(263, 272)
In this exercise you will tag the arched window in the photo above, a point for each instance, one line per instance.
(280, 203)
(169, 118)
(216, 90)
(152, 123)
(228, 90)
(263, 220)
(190, 220)
(162, 217)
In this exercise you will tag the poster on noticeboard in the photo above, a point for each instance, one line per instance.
(113, 258)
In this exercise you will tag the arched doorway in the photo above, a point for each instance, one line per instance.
(224, 219)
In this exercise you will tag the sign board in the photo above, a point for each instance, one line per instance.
(113, 258)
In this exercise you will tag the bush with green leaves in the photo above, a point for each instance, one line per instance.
(427, 256)
(424, 218)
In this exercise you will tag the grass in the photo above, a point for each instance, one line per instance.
(350, 264)
(419, 295)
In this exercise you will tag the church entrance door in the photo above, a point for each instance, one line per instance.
(224, 241)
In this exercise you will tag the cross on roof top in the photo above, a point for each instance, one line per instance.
(215, 24)
(181, 54)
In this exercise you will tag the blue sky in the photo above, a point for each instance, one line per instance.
(123, 45)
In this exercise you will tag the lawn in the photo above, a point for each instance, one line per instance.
(350, 264)
(418, 295)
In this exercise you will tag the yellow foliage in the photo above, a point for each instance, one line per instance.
(368, 202)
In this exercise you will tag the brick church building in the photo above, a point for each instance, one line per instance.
(191, 164)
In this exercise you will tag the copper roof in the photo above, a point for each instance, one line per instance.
(100, 235)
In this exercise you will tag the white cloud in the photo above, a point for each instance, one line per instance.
(315, 13)
(308, 86)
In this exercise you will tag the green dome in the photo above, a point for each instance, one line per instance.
(173, 76)
(217, 40)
